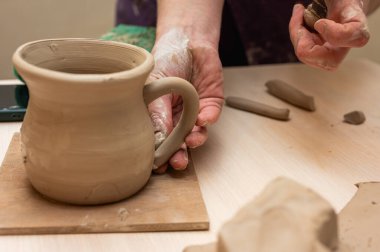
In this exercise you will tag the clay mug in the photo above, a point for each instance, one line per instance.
(87, 137)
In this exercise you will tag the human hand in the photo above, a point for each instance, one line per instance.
(344, 28)
(199, 63)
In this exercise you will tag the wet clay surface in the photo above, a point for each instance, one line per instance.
(158, 207)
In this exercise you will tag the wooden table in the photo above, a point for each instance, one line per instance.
(245, 151)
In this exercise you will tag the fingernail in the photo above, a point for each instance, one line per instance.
(320, 26)
(175, 166)
(197, 144)
(295, 7)
(204, 123)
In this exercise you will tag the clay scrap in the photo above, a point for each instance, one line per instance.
(286, 92)
(316, 10)
(359, 221)
(285, 217)
(258, 108)
(354, 117)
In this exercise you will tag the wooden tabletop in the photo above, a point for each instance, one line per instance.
(245, 151)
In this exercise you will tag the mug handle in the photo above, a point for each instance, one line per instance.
(190, 98)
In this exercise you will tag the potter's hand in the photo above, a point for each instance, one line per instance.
(345, 28)
(176, 55)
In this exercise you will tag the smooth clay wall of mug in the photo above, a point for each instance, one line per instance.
(87, 139)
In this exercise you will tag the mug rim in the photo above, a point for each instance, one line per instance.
(144, 68)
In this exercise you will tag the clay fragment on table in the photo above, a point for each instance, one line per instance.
(316, 10)
(258, 108)
(286, 217)
(290, 94)
(359, 221)
(354, 117)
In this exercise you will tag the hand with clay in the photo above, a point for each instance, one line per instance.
(192, 55)
(345, 27)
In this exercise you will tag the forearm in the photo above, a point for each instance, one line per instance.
(200, 20)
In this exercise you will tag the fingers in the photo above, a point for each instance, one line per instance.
(296, 23)
(197, 137)
(311, 48)
(323, 57)
(209, 111)
(180, 159)
(352, 34)
(161, 115)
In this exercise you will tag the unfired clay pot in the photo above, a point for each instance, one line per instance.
(87, 137)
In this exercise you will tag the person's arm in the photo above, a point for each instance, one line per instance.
(200, 20)
(344, 28)
(186, 46)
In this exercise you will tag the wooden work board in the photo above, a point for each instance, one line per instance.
(169, 202)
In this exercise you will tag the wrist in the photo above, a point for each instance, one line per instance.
(198, 20)
(195, 39)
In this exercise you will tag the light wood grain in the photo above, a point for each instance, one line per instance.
(244, 152)
(169, 202)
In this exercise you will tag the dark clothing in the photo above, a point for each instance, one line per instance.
(253, 31)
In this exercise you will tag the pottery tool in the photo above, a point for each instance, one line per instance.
(169, 202)
(290, 94)
(257, 108)
(316, 10)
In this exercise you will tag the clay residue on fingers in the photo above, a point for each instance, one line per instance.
(159, 116)
(160, 129)
(290, 94)
(350, 12)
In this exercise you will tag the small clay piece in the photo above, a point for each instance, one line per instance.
(287, 93)
(359, 221)
(314, 11)
(354, 117)
(258, 108)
